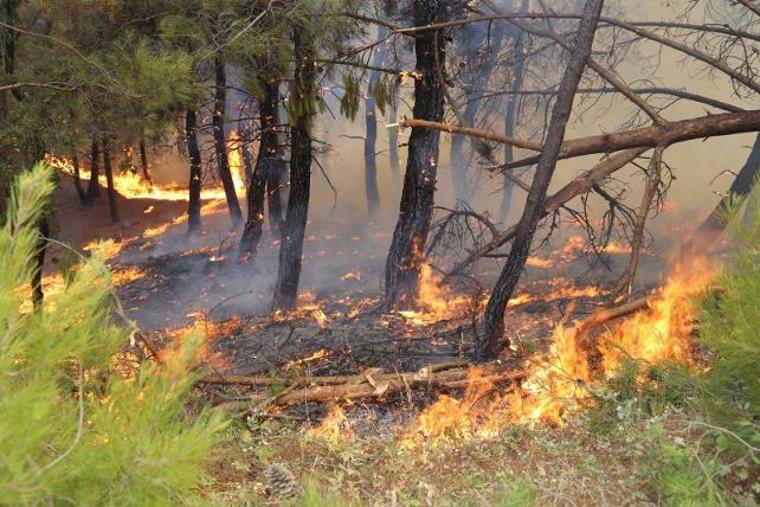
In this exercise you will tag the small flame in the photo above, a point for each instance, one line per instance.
(335, 426)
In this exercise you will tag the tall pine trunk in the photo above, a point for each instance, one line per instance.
(493, 342)
(402, 267)
(112, 205)
(144, 162)
(93, 187)
(220, 144)
(266, 175)
(196, 175)
(370, 138)
(510, 120)
(77, 179)
(294, 225)
(274, 170)
(393, 139)
(39, 263)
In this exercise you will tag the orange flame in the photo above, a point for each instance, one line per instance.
(335, 427)
(557, 381)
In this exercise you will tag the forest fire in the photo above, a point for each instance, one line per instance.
(557, 382)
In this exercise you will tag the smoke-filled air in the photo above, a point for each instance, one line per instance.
(398, 252)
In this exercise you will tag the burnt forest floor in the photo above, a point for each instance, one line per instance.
(171, 285)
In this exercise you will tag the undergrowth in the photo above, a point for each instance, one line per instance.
(71, 430)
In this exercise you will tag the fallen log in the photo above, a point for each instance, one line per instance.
(268, 380)
(380, 385)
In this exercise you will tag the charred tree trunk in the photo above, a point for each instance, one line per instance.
(254, 226)
(511, 116)
(272, 158)
(493, 343)
(220, 145)
(402, 267)
(294, 225)
(39, 263)
(144, 162)
(93, 187)
(112, 205)
(196, 175)
(77, 180)
(266, 176)
(8, 41)
(370, 137)
(711, 229)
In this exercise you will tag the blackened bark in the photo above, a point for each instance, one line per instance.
(273, 155)
(294, 226)
(510, 120)
(93, 187)
(220, 145)
(144, 162)
(254, 225)
(39, 263)
(493, 342)
(402, 267)
(266, 175)
(372, 191)
(77, 180)
(195, 183)
(112, 205)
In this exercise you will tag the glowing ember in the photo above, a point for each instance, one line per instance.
(320, 354)
(354, 276)
(121, 277)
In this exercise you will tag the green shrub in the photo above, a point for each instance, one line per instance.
(731, 333)
(71, 431)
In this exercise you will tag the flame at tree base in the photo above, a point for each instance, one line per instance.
(558, 382)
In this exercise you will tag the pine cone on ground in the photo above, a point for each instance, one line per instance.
(280, 481)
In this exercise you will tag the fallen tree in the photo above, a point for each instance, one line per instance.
(670, 133)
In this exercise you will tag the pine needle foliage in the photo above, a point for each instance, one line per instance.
(731, 332)
(71, 431)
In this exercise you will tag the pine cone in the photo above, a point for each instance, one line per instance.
(280, 481)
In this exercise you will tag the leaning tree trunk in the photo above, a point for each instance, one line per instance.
(402, 267)
(77, 179)
(220, 145)
(510, 120)
(492, 343)
(112, 206)
(144, 162)
(370, 137)
(196, 175)
(266, 176)
(294, 225)
(711, 229)
(93, 187)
